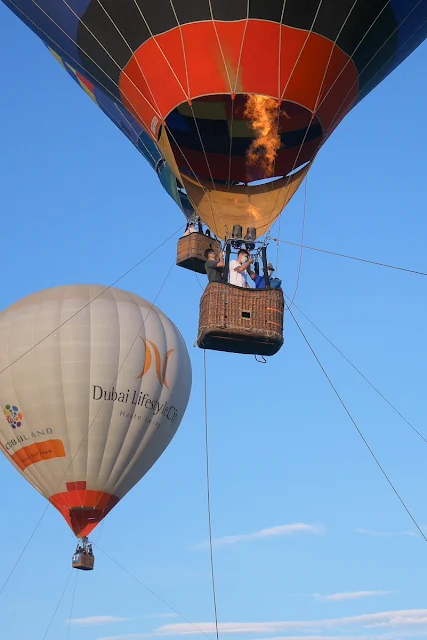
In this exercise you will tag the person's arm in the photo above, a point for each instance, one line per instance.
(220, 262)
(243, 267)
(251, 274)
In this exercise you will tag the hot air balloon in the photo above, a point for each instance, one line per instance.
(94, 384)
(233, 92)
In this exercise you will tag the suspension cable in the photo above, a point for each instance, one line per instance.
(159, 598)
(343, 255)
(57, 606)
(137, 264)
(361, 374)
(208, 492)
(72, 605)
(381, 468)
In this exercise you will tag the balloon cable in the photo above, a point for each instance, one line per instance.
(57, 606)
(72, 605)
(208, 493)
(343, 255)
(90, 301)
(152, 592)
(361, 374)
(302, 243)
(359, 430)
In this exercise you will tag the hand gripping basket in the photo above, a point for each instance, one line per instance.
(191, 249)
(241, 320)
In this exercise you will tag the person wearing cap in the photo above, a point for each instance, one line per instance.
(239, 269)
(214, 268)
(260, 280)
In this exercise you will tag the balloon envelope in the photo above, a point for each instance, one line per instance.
(184, 69)
(89, 409)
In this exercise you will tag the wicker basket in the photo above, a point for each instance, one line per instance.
(83, 561)
(191, 249)
(241, 320)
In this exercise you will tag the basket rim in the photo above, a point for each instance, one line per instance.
(252, 289)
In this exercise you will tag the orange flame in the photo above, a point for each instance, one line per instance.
(255, 212)
(263, 112)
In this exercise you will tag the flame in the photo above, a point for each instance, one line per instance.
(255, 212)
(263, 112)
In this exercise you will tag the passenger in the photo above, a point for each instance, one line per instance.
(192, 228)
(239, 267)
(275, 283)
(187, 230)
(214, 268)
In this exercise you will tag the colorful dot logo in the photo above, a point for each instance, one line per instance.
(13, 415)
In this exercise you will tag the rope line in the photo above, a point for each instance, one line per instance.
(361, 374)
(208, 493)
(114, 382)
(72, 605)
(381, 468)
(90, 302)
(159, 598)
(343, 255)
(302, 243)
(57, 606)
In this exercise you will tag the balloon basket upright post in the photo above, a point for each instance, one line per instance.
(83, 557)
(191, 251)
(241, 320)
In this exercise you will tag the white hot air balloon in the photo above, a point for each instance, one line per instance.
(87, 410)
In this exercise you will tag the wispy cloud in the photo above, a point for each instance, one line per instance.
(402, 620)
(162, 615)
(350, 595)
(95, 620)
(369, 620)
(262, 534)
(386, 534)
(381, 636)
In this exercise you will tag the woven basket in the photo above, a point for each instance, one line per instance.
(241, 320)
(191, 249)
(83, 561)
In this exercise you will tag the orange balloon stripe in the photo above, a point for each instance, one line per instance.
(46, 450)
(165, 367)
(158, 361)
(309, 65)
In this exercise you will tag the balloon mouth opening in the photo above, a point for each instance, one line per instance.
(245, 139)
(83, 509)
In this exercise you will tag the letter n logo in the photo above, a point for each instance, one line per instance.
(160, 367)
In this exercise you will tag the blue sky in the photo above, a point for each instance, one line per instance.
(310, 540)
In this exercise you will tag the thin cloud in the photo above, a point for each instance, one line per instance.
(391, 619)
(385, 534)
(358, 637)
(408, 622)
(350, 595)
(95, 620)
(140, 636)
(262, 534)
(162, 615)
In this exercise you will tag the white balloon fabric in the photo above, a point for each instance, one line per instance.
(89, 409)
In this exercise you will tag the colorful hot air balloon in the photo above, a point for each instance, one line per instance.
(233, 91)
(88, 408)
